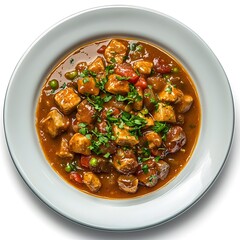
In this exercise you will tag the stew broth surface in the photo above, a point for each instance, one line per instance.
(72, 166)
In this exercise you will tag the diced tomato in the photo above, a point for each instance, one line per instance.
(142, 83)
(115, 112)
(85, 161)
(126, 70)
(101, 50)
(76, 177)
(160, 66)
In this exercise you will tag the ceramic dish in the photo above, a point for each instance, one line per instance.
(210, 153)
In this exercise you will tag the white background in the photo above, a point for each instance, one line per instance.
(215, 216)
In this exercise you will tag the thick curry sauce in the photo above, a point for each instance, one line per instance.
(118, 118)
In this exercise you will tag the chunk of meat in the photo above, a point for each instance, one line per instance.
(64, 151)
(100, 164)
(55, 123)
(163, 169)
(149, 99)
(149, 120)
(185, 104)
(92, 181)
(67, 100)
(153, 139)
(80, 144)
(157, 83)
(81, 66)
(126, 70)
(116, 86)
(149, 178)
(125, 161)
(160, 66)
(86, 113)
(87, 85)
(123, 137)
(138, 105)
(97, 66)
(143, 67)
(128, 184)
(175, 139)
(115, 50)
(171, 94)
(151, 171)
(164, 113)
(110, 147)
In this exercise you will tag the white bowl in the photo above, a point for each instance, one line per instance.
(210, 153)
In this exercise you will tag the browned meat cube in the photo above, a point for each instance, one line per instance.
(80, 144)
(157, 83)
(115, 50)
(55, 123)
(149, 99)
(128, 184)
(143, 67)
(137, 106)
(67, 100)
(87, 85)
(163, 169)
(123, 137)
(148, 178)
(149, 120)
(92, 181)
(86, 113)
(116, 86)
(97, 65)
(125, 161)
(175, 139)
(153, 139)
(185, 104)
(64, 151)
(99, 164)
(171, 94)
(164, 113)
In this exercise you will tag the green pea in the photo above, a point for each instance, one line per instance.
(53, 84)
(93, 162)
(68, 168)
(71, 75)
(166, 76)
(139, 48)
(175, 70)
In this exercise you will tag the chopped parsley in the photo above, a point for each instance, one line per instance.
(97, 101)
(131, 97)
(162, 128)
(168, 89)
(113, 60)
(152, 177)
(145, 168)
(87, 73)
(85, 80)
(64, 85)
(109, 69)
(107, 155)
(122, 78)
(83, 128)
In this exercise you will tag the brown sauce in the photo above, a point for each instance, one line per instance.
(174, 76)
